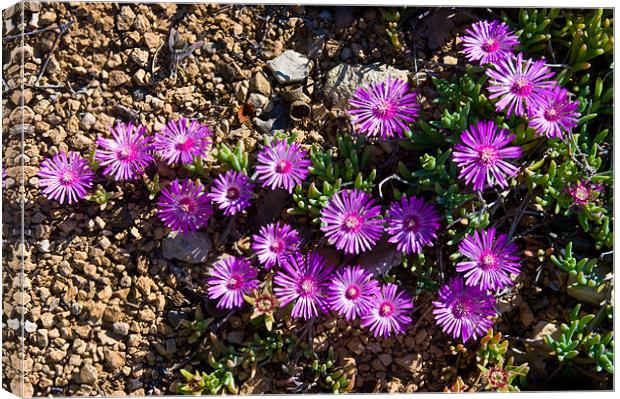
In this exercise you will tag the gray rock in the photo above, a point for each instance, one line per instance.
(30, 327)
(44, 246)
(290, 67)
(192, 247)
(120, 328)
(342, 80)
(257, 101)
(13, 324)
(276, 119)
(88, 121)
(381, 259)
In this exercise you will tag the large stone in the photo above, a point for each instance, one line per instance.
(342, 80)
(290, 67)
(192, 247)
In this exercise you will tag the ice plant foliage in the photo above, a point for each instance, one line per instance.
(303, 280)
(274, 242)
(232, 191)
(183, 206)
(282, 165)
(182, 140)
(126, 154)
(230, 280)
(491, 260)
(482, 155)
(390, 313)
(65, 177)
(351, 292)
(463, 311)
(523, 85)
(383, 110)
(412, 224)
(352, 221)
(556, 115)
(489, 42)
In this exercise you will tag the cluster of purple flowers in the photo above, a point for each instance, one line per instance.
(523, 87)
(312, 286)
(183, 205)
(465, 306)
(124, 156)
(352, 222)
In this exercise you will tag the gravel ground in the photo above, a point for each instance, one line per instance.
(105, 303)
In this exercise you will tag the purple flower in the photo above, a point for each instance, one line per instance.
(231, 279)
(464, 311)
(581, 193)
(556, 114)
(412, 224)
(182, 140)
(489, 42)
(274, 242)
(282, 165)
(491, 260)
(65, 177)
(482, 155)
(303, 280)
(523, 85)
(232, 191)
(184, 206)
(389, 313)
(127, 154)
(351, 221)
(384, 109)
(351, 292)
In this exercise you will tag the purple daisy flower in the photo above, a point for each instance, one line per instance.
(351, 292)
(282, 165)
(127, 154)
(184, 206)
(482, 155)
(384, 109)
(232, 191)
(182, 140)
(491, 260)
(274, 242)
(303, 280)
(351, 220)
(489, 42)
(231, 279)
(464, 311)
(523, 85)
(389, 313)
(65, 177)
(556, 115)
(412, 224)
